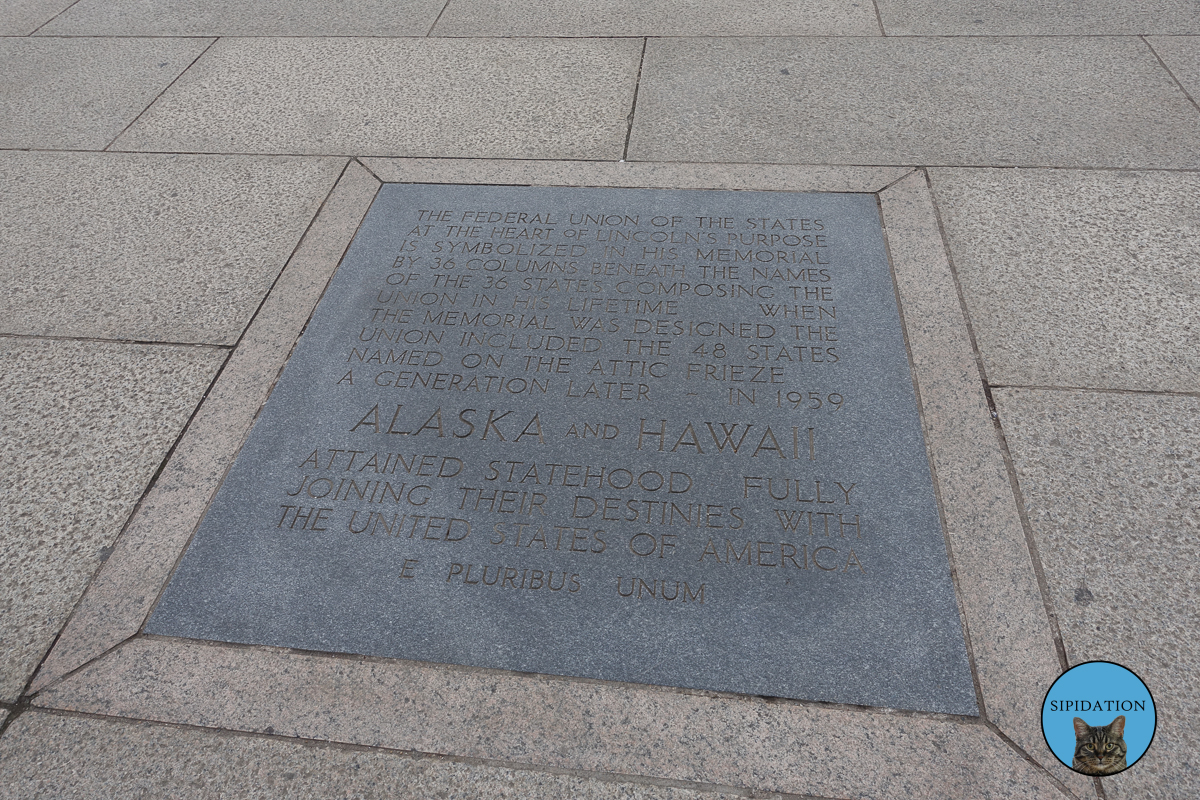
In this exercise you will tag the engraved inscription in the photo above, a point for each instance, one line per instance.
(592, 433)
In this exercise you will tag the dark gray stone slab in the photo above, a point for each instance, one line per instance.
(664, 437)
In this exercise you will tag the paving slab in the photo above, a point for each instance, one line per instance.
(23, 17)
(80, 93)
(83, 757)
(252, 18)
(152, 248)
(747, 742)
(634, 174)
(515, 98)
(85, 427)
(658, 18)
(1034, 18)
(1110, 482)
(933, 101)
(1181, 54)
(1079, 278)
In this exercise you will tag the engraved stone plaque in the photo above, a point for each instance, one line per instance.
(665, 437)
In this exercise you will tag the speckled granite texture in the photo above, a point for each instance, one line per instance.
(85, 427)
(85, 757)
(182, 180)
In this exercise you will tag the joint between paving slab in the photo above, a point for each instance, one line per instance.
(883, 189)
(1171, 72)
(294, 250)
(1027, 528)
(753, 176)
(1019, 35)
(266, 154)
(437, 19)
(14, 710)
(300, 241)
(962, 300)
(367, 169)
(152, 37)
(56, 16)
(839, 164)
(878, 17)
(165, 89)
(28, 694)
(637, 84)
(1032, 761)
(51, 36)
(1031, 543)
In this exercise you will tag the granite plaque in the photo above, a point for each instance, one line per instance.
(665, 437)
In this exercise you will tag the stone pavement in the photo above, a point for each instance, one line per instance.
(180, 179)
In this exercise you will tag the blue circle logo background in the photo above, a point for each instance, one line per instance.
(1098, 692)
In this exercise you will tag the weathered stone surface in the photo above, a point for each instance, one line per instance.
(657, 18)
(805, 749)
(649, 436)
(23, 17)
(1181, 54)
(65, 94)
(149, 247)
(634, 174)
(80, 758)
(497, 98)
(1110, 482)
(1010, 640)
(1090, 280)
(84, 428)
(120, 597)
(950, 101)
(1033, 18)
(246, 18)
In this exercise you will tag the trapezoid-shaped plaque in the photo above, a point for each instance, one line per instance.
(665, 437)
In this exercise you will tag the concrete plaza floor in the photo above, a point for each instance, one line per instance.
(179, 180)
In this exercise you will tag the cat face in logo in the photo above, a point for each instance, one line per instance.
(1099, 750)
